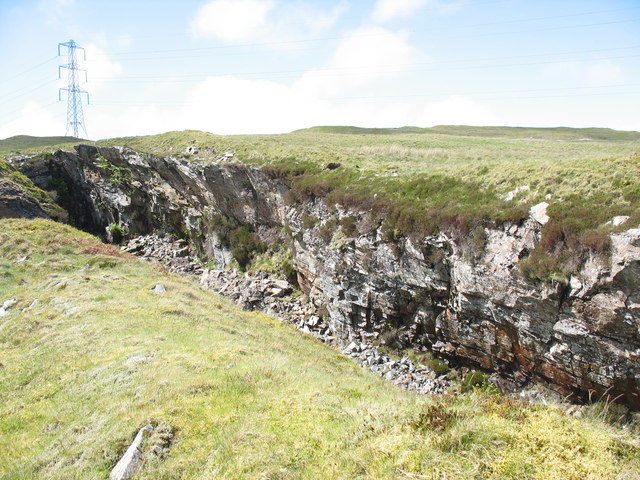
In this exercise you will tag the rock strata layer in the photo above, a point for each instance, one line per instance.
(463, 300)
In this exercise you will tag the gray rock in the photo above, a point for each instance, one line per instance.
(159, 288)
(6, 306)
(619, 220)
(539, 213)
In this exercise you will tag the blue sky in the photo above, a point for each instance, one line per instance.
(265, 66)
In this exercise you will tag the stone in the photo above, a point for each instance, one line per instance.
(159, 288)
(33, 304)
(514, 193)
(351, 348)
(131, 461)
(6, 306)
(619, 220)
(539, 213)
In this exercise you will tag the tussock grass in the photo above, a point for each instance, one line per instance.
(250, 397)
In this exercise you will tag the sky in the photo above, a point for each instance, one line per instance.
(272, 66)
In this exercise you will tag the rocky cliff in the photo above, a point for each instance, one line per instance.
(463, 299)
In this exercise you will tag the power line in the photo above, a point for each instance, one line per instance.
(38, 87)
(439, 94)
(2, 80)
(327, 71)
(218, 55)
(340, 37)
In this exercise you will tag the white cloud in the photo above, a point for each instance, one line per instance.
(232, 20)
(603, 72)
(231, 104)
(263, 20)
(33, 119)
(99, 65)
(456, 110)
(368, 55)
(388, 9)
(55, 11)
(591, 73)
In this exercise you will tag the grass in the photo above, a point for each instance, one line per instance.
(449, 178)
(21, 142)
(100, 354)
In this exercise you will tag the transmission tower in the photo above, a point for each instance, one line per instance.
(75, 117)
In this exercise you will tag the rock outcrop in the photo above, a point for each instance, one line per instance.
(464, 300)
(16, 202)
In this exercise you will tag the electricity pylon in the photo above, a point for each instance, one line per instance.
(75, 117)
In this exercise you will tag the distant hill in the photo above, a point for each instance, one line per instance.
(360, 130)
(553, 133)
(20, 142)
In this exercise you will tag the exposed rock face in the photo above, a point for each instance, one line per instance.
(16, 202)
(464, 301)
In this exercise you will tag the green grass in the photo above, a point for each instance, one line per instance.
(21, 142)
(555, 133)
(250, 397)
(450, 178)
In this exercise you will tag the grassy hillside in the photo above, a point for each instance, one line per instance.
(22, 142)
(99, 355)
(554, 133)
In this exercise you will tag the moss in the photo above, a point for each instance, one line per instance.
(119, 176)
(348, 226)
(243, 243)
(474, 380)
(327, 229)
(117, 232)
(436, 417)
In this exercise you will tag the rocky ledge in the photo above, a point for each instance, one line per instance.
(459, 297)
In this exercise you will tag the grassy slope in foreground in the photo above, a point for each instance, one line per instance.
(101, 355)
